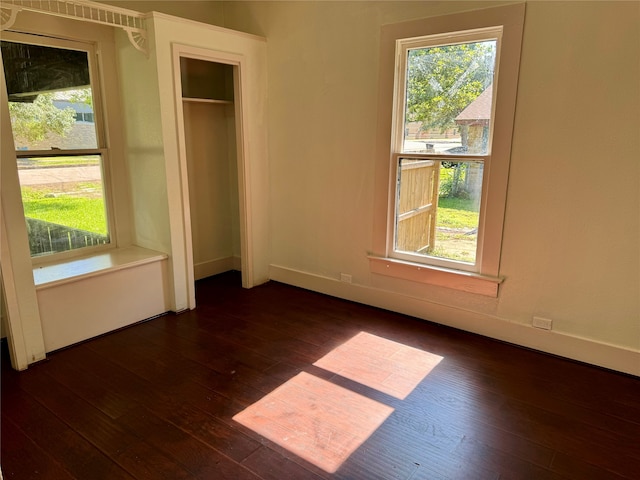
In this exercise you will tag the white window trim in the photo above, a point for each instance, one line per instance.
(496, 168)
(101, 149)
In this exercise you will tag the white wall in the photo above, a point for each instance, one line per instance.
(213, 186)
(144, 147)
(572, 239)
(571, 248)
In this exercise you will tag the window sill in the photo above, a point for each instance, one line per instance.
(47, 275)
(443, 277)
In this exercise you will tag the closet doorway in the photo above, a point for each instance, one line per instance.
(210, 126)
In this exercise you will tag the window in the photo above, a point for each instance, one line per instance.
(448, 89)
(53, 98)
(442, 133)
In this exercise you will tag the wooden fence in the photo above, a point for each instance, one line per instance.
(417, 205)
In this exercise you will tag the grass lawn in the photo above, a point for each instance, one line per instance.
(80, 212)
(44, 162)
(457, 213)
(456, 217)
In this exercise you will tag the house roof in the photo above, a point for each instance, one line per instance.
(477, 112)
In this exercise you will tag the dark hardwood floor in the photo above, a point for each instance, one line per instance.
(156, 400)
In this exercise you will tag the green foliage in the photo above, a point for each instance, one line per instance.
(83, 95)
(82, 213)
(443, 81)
(451, 179)
(31, 122)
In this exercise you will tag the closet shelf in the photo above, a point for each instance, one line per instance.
(206, 100)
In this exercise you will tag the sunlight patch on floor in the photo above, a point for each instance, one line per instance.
(389, 367)
(324, 423)
(315, 419)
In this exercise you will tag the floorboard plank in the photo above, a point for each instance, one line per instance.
(157, 400)
(23, 459)
(80, 457)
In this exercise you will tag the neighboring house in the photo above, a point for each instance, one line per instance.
(84, 111)
(415, 130)
(475, 120)
(81, 135)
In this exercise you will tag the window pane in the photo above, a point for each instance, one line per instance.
(63, 203)
(449, 98)
(438, 208)
(50, 97)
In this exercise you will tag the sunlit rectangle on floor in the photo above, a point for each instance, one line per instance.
(385, 365)
(315, 419)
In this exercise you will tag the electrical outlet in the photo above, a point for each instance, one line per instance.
(543, 323)
(345, 277)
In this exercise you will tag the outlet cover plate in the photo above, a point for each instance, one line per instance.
(543, 323)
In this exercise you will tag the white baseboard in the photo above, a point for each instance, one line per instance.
(216, 266)
(576, 348)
